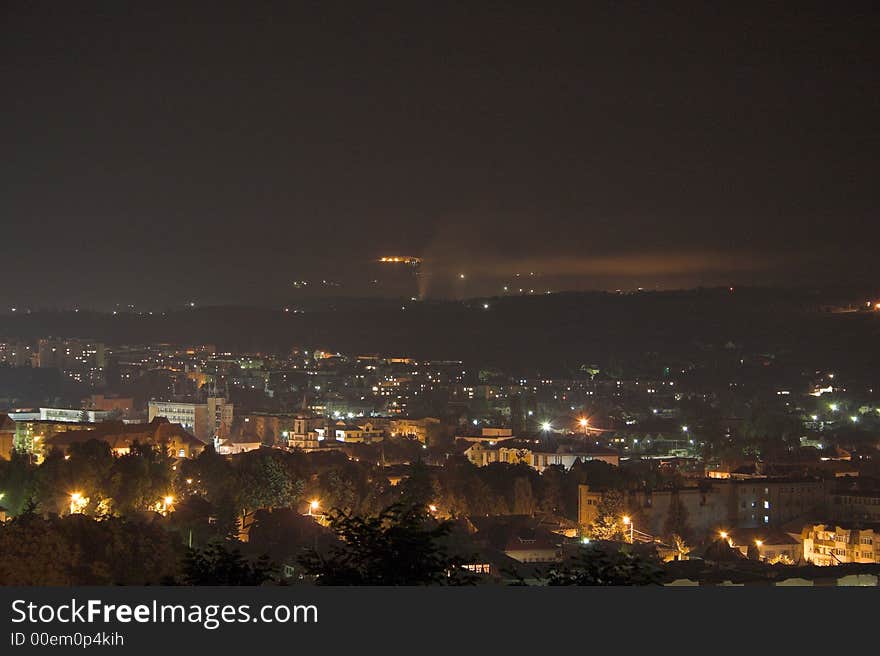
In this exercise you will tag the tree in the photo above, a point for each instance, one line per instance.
(79, 550)
(35, 553)
(398, 546)
(608, 524)
(263, 482)
(417, 489)
(681, 547)
(141, 478)
(17, 482)
(523, 497)
(598, 566)
(211, 474)
(218, 565)
(676, 523)
(337, 490)
(781, 559)
(553, 490)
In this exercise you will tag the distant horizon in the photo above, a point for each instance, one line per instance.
(840, 291)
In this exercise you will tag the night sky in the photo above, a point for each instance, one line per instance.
(157, 152)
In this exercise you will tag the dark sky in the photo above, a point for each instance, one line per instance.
(156, 152)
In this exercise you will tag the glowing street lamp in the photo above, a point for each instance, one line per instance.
(584, 422)
(432, 508)
(627, 520)
(313, 506)
(546, 426)
(77, 503)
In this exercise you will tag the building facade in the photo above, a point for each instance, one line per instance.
(833, 544)
(204, 420)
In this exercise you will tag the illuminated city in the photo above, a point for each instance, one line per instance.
(446, 295)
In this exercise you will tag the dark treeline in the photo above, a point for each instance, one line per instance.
(573, 327)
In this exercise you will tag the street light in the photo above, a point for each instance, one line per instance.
(584, 422)
(77, 502)
(629, 522)
(546, 426)
(432, 508)
(313, 505)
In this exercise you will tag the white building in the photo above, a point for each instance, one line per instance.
(74, 415)
(204, 420)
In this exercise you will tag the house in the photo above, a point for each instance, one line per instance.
(342, 431)
(522, 538)
(237, 444)
(766, 543)
(120, 437)
(533, 545)
(423, 429)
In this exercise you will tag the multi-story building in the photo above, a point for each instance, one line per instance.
(516, 452)
(342, 431)
(31, 435)
(74, 414)
(305, 433)
(83, 360)
(715, 505)
(424, 429)
(833, 544)
(267, 428)
(120, 437)
(854, 506)
(16, 354)
(204, 420)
